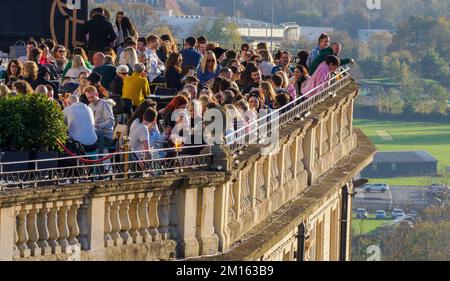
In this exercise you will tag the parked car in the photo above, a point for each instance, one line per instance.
(397, 213)
(380, 214)
(376, 187)
(361, 213)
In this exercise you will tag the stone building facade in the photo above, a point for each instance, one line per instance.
(294, 204)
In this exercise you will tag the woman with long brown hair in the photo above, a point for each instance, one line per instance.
(266, 90)
(173, 71)
(14, 71)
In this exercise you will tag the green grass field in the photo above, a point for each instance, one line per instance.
(409, 136)
(368, 225)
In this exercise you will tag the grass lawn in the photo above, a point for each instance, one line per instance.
(368, 225)
(410, 136)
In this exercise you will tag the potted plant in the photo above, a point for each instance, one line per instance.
(11, 126)
(31, 124)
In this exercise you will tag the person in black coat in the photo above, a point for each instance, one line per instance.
(99, 32)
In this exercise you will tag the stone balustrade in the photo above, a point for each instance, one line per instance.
(107, 222)
(186, 215)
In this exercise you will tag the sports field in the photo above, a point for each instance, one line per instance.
(409, 136)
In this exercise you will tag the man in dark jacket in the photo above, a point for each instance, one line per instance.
(99, 32)
(190, 56)
(334, 49)
(107, 70)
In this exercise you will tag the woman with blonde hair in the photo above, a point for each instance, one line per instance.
(209, 69)
(266, 90)
(30, 72)
(22, 87)
(286, 85)
(78, 67)
(267, 64)
(129, 58)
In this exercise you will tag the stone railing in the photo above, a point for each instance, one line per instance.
(260, 184)
(140, 220)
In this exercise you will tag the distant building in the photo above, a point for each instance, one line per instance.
(250, 30)
(312, 33)
(401, 164)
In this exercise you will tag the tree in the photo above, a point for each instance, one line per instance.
(390, 102)
(142, 15)
(379, 42)
(433, 66)
(224, 33)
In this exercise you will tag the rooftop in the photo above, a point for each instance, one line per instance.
(404, 157)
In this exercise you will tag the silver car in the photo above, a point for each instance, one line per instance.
(376, 187)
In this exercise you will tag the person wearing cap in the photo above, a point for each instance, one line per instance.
(94, 80)
(107, 70)
(135, 87)
(116, 89)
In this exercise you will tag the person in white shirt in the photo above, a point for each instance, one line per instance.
(155, 65)
(103, 118)
(140, 136)
(78, 67)
(79, 118)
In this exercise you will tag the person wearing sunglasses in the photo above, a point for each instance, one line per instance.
(209, 69)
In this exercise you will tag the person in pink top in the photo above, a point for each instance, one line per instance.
(322, 75)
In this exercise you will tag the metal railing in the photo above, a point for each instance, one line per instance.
(257, 132)
(125, 165)
(121, 165)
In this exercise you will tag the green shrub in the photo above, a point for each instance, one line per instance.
(30, 123)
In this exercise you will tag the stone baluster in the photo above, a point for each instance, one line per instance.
(163, 213)
(115, 222)
(108, 226)
(22, 233)
(134, 219)
(63, 228)
(72, 220)
(154, 216)
(124, 213)
(42, 223)
(32, 229)
(143, 208)
(83, 225)
(173, 217)
(53, 228)
(16, 252)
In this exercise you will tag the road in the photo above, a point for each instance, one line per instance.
(403, 197)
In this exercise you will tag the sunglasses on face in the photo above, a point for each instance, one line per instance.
(210, 61)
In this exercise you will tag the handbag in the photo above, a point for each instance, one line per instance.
(19, 49)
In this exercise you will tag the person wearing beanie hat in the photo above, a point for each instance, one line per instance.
(220, 54)
(94, 80)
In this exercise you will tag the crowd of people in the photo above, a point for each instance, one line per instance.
(119, 72)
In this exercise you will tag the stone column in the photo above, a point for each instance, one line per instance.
(7, 226)
(187, 222)
(209, 242)
(95, 223)
(309, 150)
